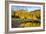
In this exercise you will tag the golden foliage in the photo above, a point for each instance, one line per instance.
(27, 15)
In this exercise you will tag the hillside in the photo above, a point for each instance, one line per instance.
(23, 14)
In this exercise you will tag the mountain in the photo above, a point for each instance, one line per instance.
(24, 14)
(36, 14)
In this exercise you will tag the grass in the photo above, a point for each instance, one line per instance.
(29, 24)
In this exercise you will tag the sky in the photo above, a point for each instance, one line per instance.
(29, 8)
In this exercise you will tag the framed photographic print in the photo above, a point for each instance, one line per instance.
(24, 16)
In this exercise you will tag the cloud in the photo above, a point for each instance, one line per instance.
(29, 8)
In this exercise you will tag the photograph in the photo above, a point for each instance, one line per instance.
(25, 16)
